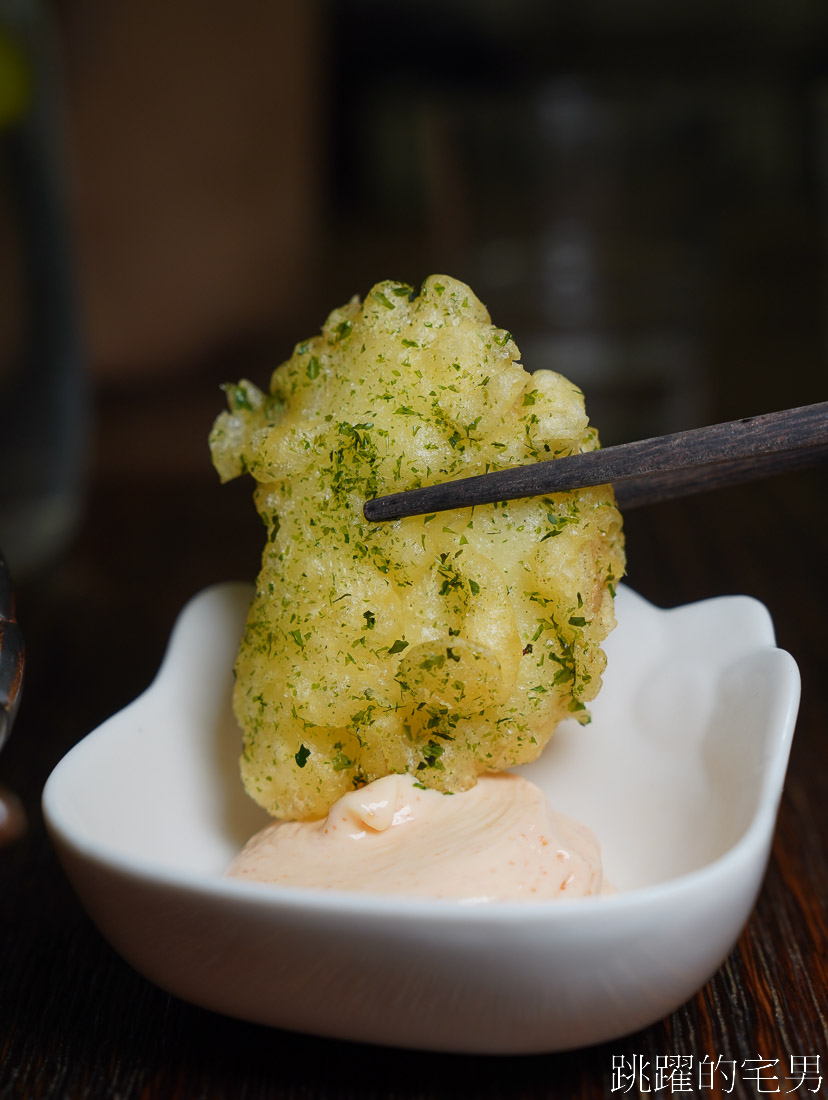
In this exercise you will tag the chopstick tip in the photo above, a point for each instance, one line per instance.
(374, 511)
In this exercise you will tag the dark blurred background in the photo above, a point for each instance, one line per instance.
(638, 191)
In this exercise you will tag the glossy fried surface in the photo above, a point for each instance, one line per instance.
(444, 646)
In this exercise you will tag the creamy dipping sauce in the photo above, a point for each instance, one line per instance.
(499, 841)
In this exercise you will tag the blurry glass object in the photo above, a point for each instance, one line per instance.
(599, 263)
(43, 403)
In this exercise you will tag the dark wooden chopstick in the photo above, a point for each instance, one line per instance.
(644, 472)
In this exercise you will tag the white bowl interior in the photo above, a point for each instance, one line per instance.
(688, 736)
(159, 782)
(679, 774)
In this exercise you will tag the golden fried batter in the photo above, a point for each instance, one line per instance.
(446, 645)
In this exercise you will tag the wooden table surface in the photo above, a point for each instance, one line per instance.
(76, 1021)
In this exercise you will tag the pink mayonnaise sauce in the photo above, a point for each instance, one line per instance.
(499, 841)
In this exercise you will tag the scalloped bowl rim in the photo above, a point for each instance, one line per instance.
(92, 858)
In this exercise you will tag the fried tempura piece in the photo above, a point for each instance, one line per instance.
(446, 645)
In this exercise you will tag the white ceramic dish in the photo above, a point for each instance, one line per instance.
(680, 775)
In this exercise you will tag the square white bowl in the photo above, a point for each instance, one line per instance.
(680, 775)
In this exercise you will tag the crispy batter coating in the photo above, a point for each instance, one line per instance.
(447, 645)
